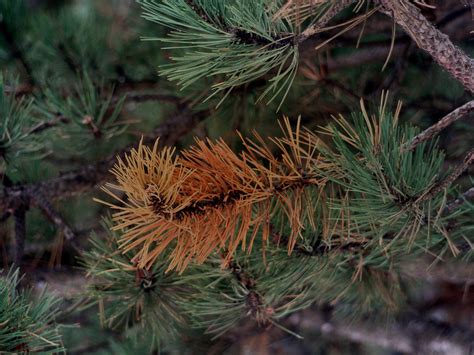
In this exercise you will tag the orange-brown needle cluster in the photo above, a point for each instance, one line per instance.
(209, 198)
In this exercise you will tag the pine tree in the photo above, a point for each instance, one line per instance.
(266, 184)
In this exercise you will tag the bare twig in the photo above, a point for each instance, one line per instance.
(152, 96)
(376, 51)
(447, 120)
(440, 186)
(430, 39)
(44, 125)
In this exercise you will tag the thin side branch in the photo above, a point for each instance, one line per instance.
(449, 119)
(44, 125)
(461, 168)
(46, 207)
(136, 97)
(139, 97)
(323, 21)
(431, 40)
(453, 205)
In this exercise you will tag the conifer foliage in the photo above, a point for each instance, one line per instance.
(251, 192)
(27, 324)
(210, 199)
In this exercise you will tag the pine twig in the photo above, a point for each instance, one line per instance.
(240, 34)
(447, 120)
(431, 40)
(440, 186)
(453, 205)
(44, 125)
(139, 97)
(374, 52)
(328, 15)
(46, 207)
(255, 302)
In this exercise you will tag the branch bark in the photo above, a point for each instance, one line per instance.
(44, 125)
(435, 43)
(458, 170)
(466, 196)
(447, 120)
(46, 207)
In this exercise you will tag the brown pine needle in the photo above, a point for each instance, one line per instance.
(211, 199)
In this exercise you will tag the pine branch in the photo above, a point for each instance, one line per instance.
(370, 53)
(136, 97)
(145, 303)
(27, 324)
(440, 186)
(415, 336)
(430, 39)
(241, 35)
(377, 51)
(85, 178)
(449, 119)
(212, 191)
